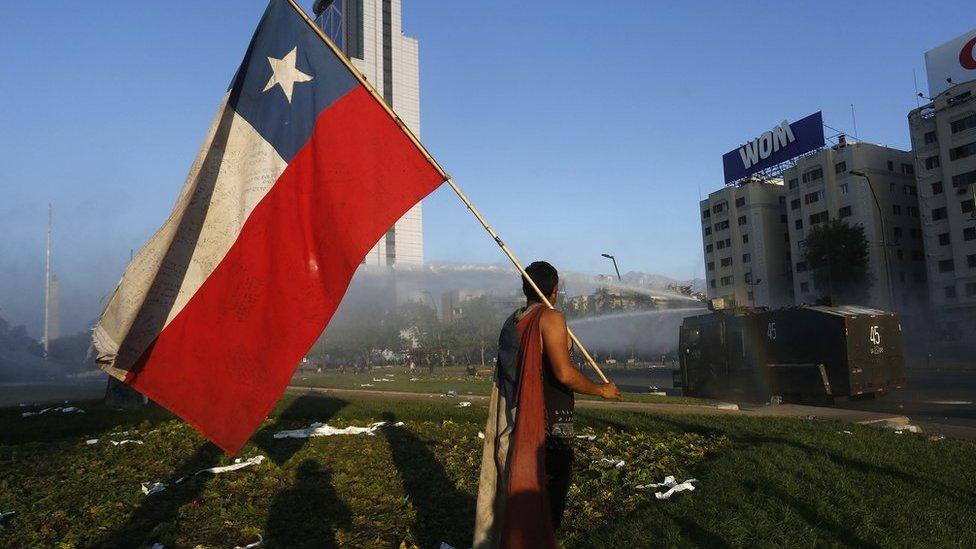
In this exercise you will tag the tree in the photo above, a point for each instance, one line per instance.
(837, 255)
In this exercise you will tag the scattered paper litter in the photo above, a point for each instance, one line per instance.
(902, 428)
(727, 406)
(382, 379)
(366, 385)
(5, 514)
(446, 545)
(415, 379)
(672, 486)
(587, 437)
(126, 441)
(464, 404)
(91, 441)
(658, 393)
(618, 463)
(318, 429)
(62, 409)
(452, 393)
(845, 432)
(251, 545)
(154, 488)
(481, 435)
(157, 545)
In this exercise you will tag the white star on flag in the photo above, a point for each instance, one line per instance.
(285, 74)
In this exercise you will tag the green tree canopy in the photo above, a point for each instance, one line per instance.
(837, 255)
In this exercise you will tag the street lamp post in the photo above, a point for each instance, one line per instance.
(884, 238)
(611, 258)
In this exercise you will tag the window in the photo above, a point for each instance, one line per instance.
(937, 187)
(712, 283)
(910, 190)
(970, 289)
(746, 258)
(726, 261)
(722, 225)
(708, 231)
(720, 245)
(897, 233)
(740, 202)
(840, 167)
(971, 261)
(912, 211)
(708, 248)
(946, 266)
(962, 151)
(932, 162)
(891, 166)
(711, 265)
(907, 169)
(963, 124)
(938, 213)
(745, 239)
(819, 218)
(795, 204)
(798, 224)
(728, 242)
(930, 138)
(843, 188)
(743, 220)
(844, 212)
(719, 207)
(967, 205)
(969, 233)
(804, 287)
(792, 183)
(950, 292)
(964, 179)
(801, 266)
(810, 198)
(896, 209)
(726, 280)
(706, 214)
(813, 175)
(944, 239)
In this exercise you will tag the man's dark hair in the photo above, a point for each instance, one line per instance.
(545, 277)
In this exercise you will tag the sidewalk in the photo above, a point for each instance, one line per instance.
(782, 410)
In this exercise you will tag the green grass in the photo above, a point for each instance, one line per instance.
(441, 381)
(763, 482)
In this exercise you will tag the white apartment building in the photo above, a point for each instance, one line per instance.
(746, 249)
(820, 188)
(944, 144)
(370, 33)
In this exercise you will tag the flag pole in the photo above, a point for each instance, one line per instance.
(448, 179)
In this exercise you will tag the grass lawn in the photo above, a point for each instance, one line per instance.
(441, 381)
(768, 481)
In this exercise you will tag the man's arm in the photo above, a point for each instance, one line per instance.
(555, 343)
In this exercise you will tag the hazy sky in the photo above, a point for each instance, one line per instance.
(577, 127)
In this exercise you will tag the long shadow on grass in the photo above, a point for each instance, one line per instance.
(162, 508)
(444, 513)
(299, 414)
(308, 513)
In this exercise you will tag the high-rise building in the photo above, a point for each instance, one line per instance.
(369, 32)
(944, 144)
(820, 187)
(746, 247)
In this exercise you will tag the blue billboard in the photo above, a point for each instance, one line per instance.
(779, 144)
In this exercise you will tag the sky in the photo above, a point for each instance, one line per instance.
(577, 128)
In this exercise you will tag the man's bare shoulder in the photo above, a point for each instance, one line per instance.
(552, 318)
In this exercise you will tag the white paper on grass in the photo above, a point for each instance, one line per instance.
(464, 404)
(91, 441)
(251, 545)
(672, 486)
(62, 409)
(587, 437)
(156, 487)
(5, 514)
(366, 385)
(324, 430)
(126, 441)
(617, 463)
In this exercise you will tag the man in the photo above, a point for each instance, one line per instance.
(528, 453)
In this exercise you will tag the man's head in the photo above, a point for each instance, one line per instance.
(545, 277)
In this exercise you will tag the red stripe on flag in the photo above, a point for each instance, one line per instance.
(222, 363)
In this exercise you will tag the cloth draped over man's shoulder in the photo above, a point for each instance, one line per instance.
(513, 509)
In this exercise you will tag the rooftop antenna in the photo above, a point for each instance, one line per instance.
(918, 94)
(854, 120)
(47, 285)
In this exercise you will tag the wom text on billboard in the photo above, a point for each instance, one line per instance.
(783, 142)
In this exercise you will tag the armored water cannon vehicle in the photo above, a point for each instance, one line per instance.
(798, 354)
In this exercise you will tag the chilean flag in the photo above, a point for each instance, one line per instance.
(301, 173)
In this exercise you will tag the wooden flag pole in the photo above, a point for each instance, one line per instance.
(450, 181)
